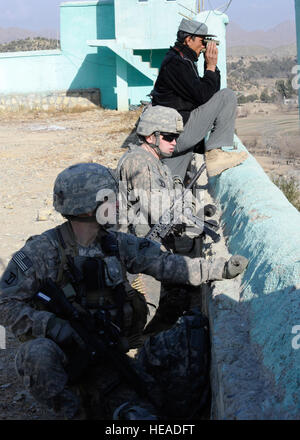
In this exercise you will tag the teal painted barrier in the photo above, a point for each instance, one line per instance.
(262, 225)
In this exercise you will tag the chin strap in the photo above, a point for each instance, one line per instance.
(156, 146)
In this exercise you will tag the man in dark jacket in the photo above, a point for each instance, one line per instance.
(199, 100)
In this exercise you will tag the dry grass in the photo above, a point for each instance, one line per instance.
(290, 189)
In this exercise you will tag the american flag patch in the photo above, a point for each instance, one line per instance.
(22, 261)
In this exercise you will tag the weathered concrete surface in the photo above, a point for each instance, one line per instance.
(256, 363)
(54, 100)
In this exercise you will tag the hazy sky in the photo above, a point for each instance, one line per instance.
(249, 14)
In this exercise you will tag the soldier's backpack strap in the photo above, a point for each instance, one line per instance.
(62, 238)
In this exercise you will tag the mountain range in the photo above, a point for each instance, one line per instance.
(281, 35)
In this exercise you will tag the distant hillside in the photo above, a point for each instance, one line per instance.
(12, 34)
(282, 34)
(282, 51)
(38, 43)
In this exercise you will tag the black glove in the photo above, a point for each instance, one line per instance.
(61, 332)
(234, 266)
(209, 210)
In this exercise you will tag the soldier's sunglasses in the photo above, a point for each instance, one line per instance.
(169, 137)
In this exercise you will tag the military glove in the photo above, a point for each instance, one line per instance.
(61, 332)
(234, 266)
(209, 210)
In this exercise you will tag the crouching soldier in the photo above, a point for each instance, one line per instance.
(66, 297)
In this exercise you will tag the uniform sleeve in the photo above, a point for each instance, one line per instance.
(136, 193)
(181, 78)
(141, 255)
(20, 282)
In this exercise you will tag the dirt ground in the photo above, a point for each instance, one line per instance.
(34, 148)
(272, 135)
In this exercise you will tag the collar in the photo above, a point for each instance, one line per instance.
(185, 51)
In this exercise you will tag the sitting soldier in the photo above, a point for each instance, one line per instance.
(141, 171)
(145, 183)
(147, 190)
(55, 287)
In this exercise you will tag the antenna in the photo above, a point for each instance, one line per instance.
(187, 9)
(185, 16)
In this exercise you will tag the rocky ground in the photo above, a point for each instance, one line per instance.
(34, 148)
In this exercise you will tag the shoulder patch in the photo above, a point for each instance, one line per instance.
(22, 261)
(10, 279)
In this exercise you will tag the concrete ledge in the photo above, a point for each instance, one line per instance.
(31, 53)
(256, 355)
(57, 100)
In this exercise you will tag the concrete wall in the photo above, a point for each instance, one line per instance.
(56, 100)
(150, 24)
(256, 355)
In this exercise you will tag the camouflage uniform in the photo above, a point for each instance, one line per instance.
(40, 362)
(141, 170)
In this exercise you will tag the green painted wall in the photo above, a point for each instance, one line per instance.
(77, 65)
(135, 25)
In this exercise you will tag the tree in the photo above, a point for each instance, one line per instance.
(280, 87)
(264, 97)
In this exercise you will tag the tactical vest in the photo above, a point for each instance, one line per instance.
(99, 282)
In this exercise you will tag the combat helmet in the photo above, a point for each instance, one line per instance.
(76, 188)
(159, 119)
(156, 120)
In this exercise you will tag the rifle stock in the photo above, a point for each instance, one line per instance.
(100, 345)
(168, 218)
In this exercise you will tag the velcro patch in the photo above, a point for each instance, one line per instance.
(10, 278)
(22, 261)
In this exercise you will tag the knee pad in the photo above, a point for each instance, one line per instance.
(40, 365)
(178, 361)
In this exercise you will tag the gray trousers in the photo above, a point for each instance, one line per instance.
(217, 116)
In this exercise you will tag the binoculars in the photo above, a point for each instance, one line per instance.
(207, 40)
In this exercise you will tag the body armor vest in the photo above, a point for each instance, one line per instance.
(99, 281)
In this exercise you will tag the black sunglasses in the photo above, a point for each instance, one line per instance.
(169, 137)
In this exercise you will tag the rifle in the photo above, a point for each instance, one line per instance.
(100, 336)
(171, 217)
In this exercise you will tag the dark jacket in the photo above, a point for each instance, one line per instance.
(179, 85)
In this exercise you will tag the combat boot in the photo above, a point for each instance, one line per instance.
(218, 160)
(129, 411)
